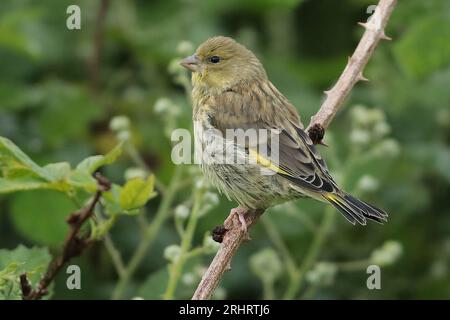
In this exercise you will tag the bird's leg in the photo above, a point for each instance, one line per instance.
(240, 213)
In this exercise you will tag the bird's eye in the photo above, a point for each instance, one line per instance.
(214, 59)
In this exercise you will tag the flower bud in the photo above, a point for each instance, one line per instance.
(359, 136)
(211, 198)
(368, 183)
(119, 123)
(172, 252)
(185, 48)
(381, 129)
(163, 105)
(389, 253)
(188, 279)
(323, 273)
(124, 135)
(182, 211)
(135, 172)
(387, 148)
(359, 114)
(200, 183)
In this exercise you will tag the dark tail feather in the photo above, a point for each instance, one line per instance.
(355, 210)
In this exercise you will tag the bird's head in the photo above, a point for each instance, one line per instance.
(221, 62)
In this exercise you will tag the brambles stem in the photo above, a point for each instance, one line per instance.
(73, 246)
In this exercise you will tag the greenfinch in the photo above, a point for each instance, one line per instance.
(231, 92)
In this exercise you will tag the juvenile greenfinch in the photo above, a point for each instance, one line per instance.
(231, 91)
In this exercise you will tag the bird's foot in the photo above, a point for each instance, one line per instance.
(238, 212)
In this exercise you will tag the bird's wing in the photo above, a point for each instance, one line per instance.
(298, 159)
(301, 162)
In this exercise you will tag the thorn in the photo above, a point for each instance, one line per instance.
(361, 77)
(327, 92)
(384, 36)
(323, 143)
(349, 59)
(363, 24)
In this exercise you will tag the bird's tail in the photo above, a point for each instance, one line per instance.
(355, 210)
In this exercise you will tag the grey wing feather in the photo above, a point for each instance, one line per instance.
(305, 167)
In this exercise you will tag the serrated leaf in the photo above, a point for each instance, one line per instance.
(39, 215)
(136, 192)
(18, 172)
(13, 159)
(57, 171)
(91, 164)
(112, 200)
(22, 184)
(32, 261)
(82, 180)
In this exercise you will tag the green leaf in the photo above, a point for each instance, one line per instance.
(112, 200)
(58, 171)
(21, 184)
(82, 180)
(8, 282)
(91, 164)
(136, 192)
(422, 49)
(39, 215)
(14, 161)
(33, 262)
(18, 172)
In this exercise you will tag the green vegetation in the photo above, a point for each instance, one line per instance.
(59, 105)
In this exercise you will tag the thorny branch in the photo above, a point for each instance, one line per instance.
(353, 72)
(232, 239)
(73, 246)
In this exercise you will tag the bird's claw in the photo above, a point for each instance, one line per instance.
(240, 213)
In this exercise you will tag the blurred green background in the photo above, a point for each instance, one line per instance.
(60, 88)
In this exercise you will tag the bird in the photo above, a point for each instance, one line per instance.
(232, 95)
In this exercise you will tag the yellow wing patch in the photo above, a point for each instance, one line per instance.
(334, 198)
(266, 163)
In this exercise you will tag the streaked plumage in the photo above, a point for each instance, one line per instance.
(231, 91)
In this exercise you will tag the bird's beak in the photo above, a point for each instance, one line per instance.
(191, 63)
